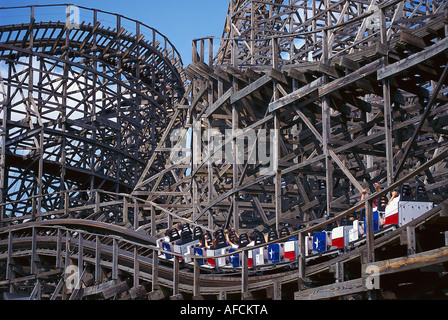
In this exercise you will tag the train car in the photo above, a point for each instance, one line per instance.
(340, 236)
(234, 260)
(166, 246)
(407, 206)
(219, 247)
(256, 257)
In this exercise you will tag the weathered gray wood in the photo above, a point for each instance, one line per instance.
(114, 259)
(413, 60)
(332, 290)
(411, 262)
(296, 95)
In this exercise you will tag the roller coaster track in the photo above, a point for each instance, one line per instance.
(92, 111)
(356, 90)
(119, 262)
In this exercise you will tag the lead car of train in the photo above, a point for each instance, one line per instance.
(408, 205)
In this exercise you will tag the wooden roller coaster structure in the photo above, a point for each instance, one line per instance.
(108, 140)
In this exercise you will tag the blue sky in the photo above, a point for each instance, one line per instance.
(180, 21)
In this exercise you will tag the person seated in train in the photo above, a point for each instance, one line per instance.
(229, 241)
(202, 241)
(243, 241)
(377, 188)
(293, 229)
(213, 245)
(166, 238)
(251, 240)
(207, 242)
(179, 228)
(234, 236)
(378, 202)
(395, 195)
(405, 193)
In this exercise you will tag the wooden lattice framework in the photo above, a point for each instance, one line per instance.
(356, 90)
(84, 106)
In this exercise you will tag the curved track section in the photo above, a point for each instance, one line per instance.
(84, 105)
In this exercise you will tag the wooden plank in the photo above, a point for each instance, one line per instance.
(413, 60)
(296, 95)
(332, 290)
(218, 103)
(254, 86)
(350, 78)
(411, 262)
(111, 291)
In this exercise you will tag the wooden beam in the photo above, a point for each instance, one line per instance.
(413, 60)
(410, 262)
(332, 290)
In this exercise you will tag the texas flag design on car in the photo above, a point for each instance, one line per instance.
(290, 250)
(320, 241)
(337, 237)
(274, 253)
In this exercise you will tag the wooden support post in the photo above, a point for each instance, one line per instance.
(410, 235)
(234, 53)
(33, 208)
(33, 251)
(369, 232)
(67, 249)
(277, 290)
(202, 54)
(210, 52)
(80, 253)
(301, 256)
(275, 53)
(136, 268)
(66, 202)
(236, 151)
(155, 270)
(98, 270)
(115, 259)
(153, 222)
(97, 201)
(175, 276)
(388, 131)
(196, 285)
(245, 273)
(222, 295)
(59, 249)
(387, 107)
(135, 214)
(278, 175)
(125, 211)
(326, 128)
(194, 52)
(57, 289)
(36, 293)
(9, 272)
(339, 271)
